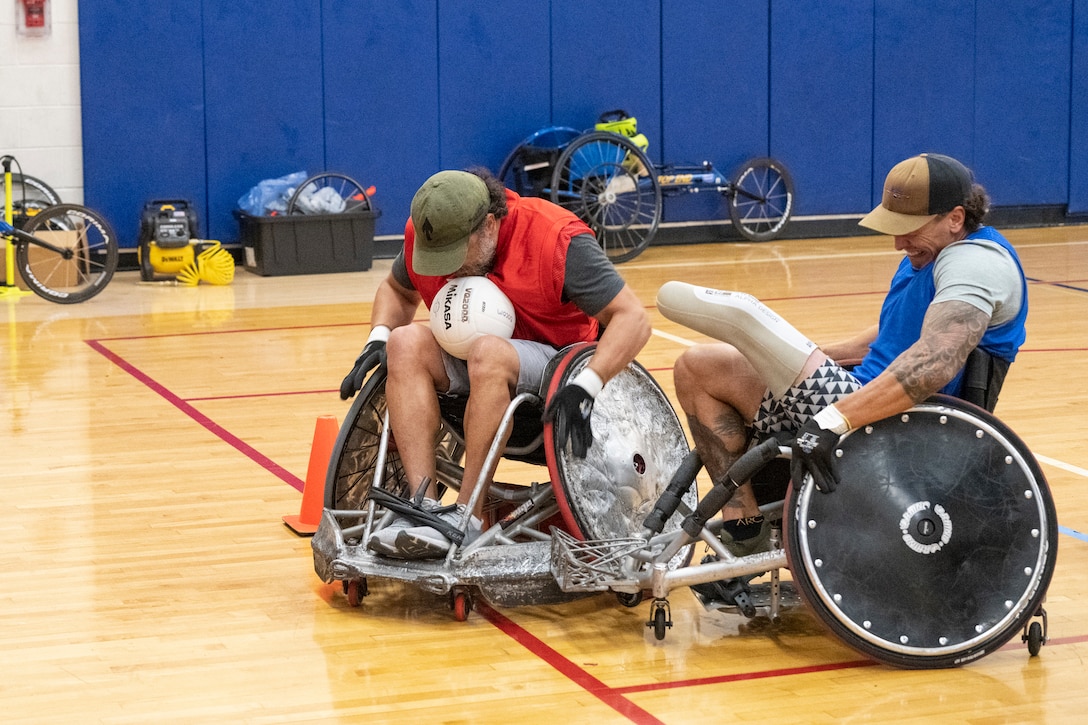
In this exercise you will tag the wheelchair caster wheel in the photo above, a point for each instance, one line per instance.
(661, 618)
(355, 590)
(1034, 638)
(461, 604)
(1035, 633)
(629, 599)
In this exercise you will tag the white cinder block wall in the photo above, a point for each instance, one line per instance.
(39, 98)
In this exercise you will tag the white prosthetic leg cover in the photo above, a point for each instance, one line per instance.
(774, 347)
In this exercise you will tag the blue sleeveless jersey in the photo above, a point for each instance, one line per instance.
(905, 307)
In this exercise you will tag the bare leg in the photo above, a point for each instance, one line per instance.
(493, 367)
(720, 392)
(416, 372)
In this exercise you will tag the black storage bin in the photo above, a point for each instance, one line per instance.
(307, 243)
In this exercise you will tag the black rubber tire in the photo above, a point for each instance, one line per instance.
(610, 184)
(87, 269)
(761, 199)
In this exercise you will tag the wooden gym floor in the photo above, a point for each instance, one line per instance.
(155, 436)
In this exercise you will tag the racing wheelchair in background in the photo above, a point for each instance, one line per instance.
(606, 179)
(937, 546)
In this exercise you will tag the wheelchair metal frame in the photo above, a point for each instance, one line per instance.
(516, 562)
(509, 562)
(633, 564)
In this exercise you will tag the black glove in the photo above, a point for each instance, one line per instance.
(814, 453)
(569, 411)
(372, 356)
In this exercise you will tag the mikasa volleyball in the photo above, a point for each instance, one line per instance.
(468, 308)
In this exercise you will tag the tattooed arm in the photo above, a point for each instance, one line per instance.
(950, 331)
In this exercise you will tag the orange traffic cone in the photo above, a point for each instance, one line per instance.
(313, 493)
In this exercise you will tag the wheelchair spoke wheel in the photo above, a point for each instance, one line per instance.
(528, 168)
(761, 199)
(84, 266)
(328, 193)
(937, 546)
(608, 182)
(355, 455)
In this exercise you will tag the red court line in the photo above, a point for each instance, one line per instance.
(614, 697)
(242, 396)
(608, 695)
(742, 676)
(244, 331)
(214, 428)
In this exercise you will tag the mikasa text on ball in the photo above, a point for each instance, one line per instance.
(468, 308)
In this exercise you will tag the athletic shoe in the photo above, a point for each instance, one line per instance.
(427, 542)
(744, 547)
(384, 541)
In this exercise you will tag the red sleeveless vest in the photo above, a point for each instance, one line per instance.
(530, 264)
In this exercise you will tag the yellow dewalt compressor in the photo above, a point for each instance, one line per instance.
(170, 250)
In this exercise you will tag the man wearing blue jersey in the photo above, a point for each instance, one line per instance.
(960, 286)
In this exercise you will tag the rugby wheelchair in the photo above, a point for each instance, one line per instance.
(638, 444)
(936, 548)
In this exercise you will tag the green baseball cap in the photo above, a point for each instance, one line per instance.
(445, 211)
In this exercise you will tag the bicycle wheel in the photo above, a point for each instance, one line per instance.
(761, 200)
(528, 168)
(88, 260)
(29, 195)
(328, 193)
(609, 183)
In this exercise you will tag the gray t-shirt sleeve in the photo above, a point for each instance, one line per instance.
(983, 275)
(591, 280)
(400, 271)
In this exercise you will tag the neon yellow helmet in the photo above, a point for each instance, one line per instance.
(619, 121)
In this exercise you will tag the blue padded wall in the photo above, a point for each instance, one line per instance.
(605, 55)
(1078, 156)
(381, 98)
(494, 70)
(1021, 94)
(143, 109)
(822, 102)
(922, 76)
(204, 100)
(264, 98)
(714, 91)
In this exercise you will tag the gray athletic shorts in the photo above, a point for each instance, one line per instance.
(532, 356)
(825, 386)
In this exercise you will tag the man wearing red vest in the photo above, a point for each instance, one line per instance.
(564, 290)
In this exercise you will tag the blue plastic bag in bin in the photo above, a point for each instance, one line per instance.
(271, 195)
